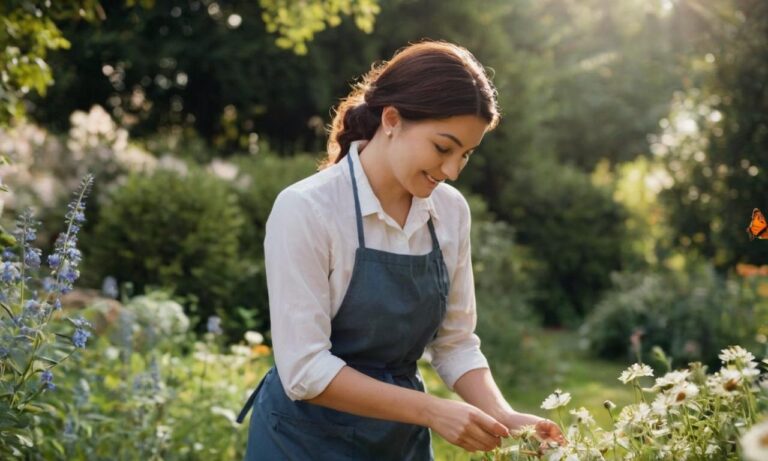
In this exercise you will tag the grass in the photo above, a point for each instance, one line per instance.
(590, 382)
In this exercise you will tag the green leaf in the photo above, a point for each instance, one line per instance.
(25, 440)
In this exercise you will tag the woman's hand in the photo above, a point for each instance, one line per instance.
(549, 431)
(465, 425)
(546, 430)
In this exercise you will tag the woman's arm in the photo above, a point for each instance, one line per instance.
(297, 252)
(477, 387)
(459, 423)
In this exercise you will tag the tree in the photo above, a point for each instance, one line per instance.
(28, 33)
(33, 29)
(716, 136)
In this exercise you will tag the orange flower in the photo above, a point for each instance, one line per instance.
(261, 350)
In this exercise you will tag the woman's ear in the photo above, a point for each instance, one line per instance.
(390, 119)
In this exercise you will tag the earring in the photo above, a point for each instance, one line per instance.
(389, 134)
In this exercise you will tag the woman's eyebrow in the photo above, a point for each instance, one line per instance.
(454, 139)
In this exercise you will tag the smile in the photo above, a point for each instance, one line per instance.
(433, 180)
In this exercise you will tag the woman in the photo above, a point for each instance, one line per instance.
(368, 265)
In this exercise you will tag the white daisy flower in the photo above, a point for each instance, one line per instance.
(634, 416)
(254, 338)
(637, 370)
(671, 379)
(237, 349)
(526, 432)
(684, 392)
(583, 416)
(736, 354)
(755, 442)
(556, 400)
(729, 379)
(660, 404)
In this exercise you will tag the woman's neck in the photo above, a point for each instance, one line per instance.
(394, 199)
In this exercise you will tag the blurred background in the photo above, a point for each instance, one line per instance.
(609, 207)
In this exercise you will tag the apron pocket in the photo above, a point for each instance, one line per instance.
(302, 439)
(293, 426)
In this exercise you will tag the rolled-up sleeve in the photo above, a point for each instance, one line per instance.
(456, 349)
(296, 253)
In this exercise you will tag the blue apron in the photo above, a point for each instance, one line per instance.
(392, 309)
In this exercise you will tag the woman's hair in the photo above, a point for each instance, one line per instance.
(426, 80)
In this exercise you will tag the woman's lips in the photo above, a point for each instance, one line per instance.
(432, 180)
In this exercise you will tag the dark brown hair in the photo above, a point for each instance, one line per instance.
(425, 80)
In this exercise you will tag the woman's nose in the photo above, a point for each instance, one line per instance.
(451, 168)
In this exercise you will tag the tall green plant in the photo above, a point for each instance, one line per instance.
(33, 338)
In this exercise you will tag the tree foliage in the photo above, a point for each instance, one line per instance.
(29, 31)
(33, 29)
(715, 138)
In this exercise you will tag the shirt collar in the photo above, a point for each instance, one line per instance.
(370, 204)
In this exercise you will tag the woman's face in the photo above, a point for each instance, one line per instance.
(424, 153)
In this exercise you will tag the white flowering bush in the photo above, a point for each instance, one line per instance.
(684, 415)
(44, 166)
(156, 319)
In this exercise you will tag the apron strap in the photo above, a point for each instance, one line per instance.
(435, 243)
(358, 213)
(251, 399)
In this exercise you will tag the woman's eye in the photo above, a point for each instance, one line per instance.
(442, 150)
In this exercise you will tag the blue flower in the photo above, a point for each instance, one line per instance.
(54, 260)
(70, 432)
(32, 308)
(214, 325)
(46, 380)
(66, 256)
(57, 304)
(80, 337)
(71, 274)
(8, 254)
(10, 273)
(73, 254)
(32, 257)
(81, 322)
(109, 287)
(48, 284)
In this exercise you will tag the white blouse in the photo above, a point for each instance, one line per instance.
(309, 248)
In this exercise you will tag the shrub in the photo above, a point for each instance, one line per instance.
(267, 175)
(573, 227)
(171, 230)
(691, 313)
(260, 179)
(503, 290)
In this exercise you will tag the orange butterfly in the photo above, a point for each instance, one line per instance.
(758, 227)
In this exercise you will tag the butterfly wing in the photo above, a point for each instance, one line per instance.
(758, 226)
